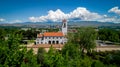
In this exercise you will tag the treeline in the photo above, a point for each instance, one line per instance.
(78, 52)
(107, 34)
(29, 34)
(26, 34)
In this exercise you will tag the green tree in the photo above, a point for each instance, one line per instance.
(2, 34)
(109, 35)
(49, 58)
(72, 55)
(29, 60)
(85, 37)
(86, 62)
(12, 54)
(97, 63)
(72, 50)
(40, 56)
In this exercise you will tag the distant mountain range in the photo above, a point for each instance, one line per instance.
(94, 23)
(79, 23)
(70, 23)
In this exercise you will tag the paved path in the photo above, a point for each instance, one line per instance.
(107, 48)
(46, 46)
(59, 47)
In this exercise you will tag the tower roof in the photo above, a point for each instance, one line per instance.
(64, 20)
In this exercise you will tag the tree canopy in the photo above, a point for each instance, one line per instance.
(71, 55)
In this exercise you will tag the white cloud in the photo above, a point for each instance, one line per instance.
(54, 16)
(80, 13)
(106, 18)
(15, 21)
(33, 19)
(84, 14)
(2, 20)
(10, 21)
(58, 15)
(115, 10)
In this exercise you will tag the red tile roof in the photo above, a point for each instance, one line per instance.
(53, 34)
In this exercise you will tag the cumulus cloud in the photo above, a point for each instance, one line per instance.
(15, 21)
(1, 19)
(80, 13)
(115, 10)
(106, 18)
(56, 16)
(84, 14)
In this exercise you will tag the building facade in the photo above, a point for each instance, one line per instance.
(53, 37)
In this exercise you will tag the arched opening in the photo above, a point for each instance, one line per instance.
(57, 42)
(49, 42)
(53, 42)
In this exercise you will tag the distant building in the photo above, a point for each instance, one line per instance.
(53, 37)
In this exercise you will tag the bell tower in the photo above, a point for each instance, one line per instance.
(64, 26)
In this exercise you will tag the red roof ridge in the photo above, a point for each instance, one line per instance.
(53, 34)
(50, 34)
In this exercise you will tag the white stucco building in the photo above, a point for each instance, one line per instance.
(53, 37)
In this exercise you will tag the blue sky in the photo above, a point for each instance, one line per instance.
(39, 10)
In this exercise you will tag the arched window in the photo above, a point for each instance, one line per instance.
(64, 25)
(53, 42)
(49, 42)
(57, 42)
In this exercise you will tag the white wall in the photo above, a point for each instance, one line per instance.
(47, 39)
